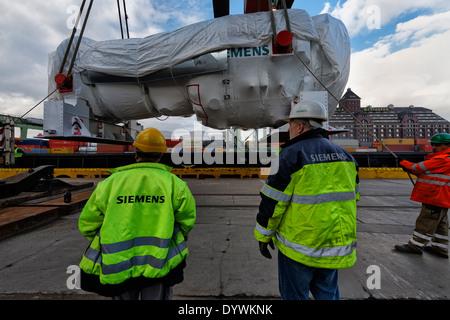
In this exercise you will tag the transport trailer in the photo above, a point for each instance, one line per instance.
(198, 160)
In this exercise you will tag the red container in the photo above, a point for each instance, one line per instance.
(425, 147)
(65, 144)
(422, 141)
(172, 142)
(111, 148)
(400, 147)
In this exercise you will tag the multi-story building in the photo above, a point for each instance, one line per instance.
(385, 123)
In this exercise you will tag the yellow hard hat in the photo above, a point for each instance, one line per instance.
(150, 140)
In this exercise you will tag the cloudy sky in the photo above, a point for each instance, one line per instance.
(399, 48)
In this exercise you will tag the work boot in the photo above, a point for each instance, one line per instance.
(406, 248)
(435, 252)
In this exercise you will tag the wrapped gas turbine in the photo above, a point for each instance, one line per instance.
(227, 71)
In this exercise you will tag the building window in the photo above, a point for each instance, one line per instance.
(410, 128)
(364, 131)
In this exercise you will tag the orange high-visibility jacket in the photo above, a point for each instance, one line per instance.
(433, 179)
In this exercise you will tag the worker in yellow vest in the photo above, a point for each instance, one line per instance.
(18, 152)
(137, 221)
(308, 209)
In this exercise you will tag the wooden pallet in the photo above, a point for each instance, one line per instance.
(23, 217)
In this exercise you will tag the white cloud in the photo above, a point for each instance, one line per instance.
(359, 15)
(416, 74)
(422, 26)
(30, 30)
(150, 17)
(407, 67)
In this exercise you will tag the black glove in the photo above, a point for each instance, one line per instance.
(264, 250)
(406, 170)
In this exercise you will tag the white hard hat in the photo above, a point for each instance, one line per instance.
(311, 110)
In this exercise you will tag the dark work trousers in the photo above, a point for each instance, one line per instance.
(296, 280)
(154, 292)
(431, 228)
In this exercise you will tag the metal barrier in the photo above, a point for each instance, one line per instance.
(199, 173)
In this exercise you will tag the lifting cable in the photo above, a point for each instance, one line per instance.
(286, 16)
(272, 20)
(338, 101)
(120, 18)
(126, 18)
(272, 17)
(61, 68)
(74, 30)
(80, 37)
(344, 107)
(351, 114)
(38, 104)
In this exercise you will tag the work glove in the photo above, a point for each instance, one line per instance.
(264, 250)
(406, 170)
(403, 163)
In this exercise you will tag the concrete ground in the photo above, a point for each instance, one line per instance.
(224, 259)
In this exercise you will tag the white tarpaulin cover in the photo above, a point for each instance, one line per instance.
(223, 70)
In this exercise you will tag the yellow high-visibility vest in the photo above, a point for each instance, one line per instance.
(308, 204)
(137, 220)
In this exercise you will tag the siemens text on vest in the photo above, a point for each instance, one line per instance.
(140, 198)
(322, 157)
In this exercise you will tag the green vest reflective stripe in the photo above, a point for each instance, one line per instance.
(264, 231)
(135, 242)
(95, 256)
(135, 261)
(322, 198)
(309, 199)
(275, 194)
(144, 260)
(319, 252)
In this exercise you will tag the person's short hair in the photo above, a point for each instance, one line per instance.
(305, 122)
(148, 156)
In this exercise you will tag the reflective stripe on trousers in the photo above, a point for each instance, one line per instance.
(431, 227)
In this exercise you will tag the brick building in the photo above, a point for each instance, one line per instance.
(386, 123)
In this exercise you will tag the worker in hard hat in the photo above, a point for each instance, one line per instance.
(308, 208)
(432, 189)
(137, 221)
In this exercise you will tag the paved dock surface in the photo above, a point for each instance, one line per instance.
(224, 259)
